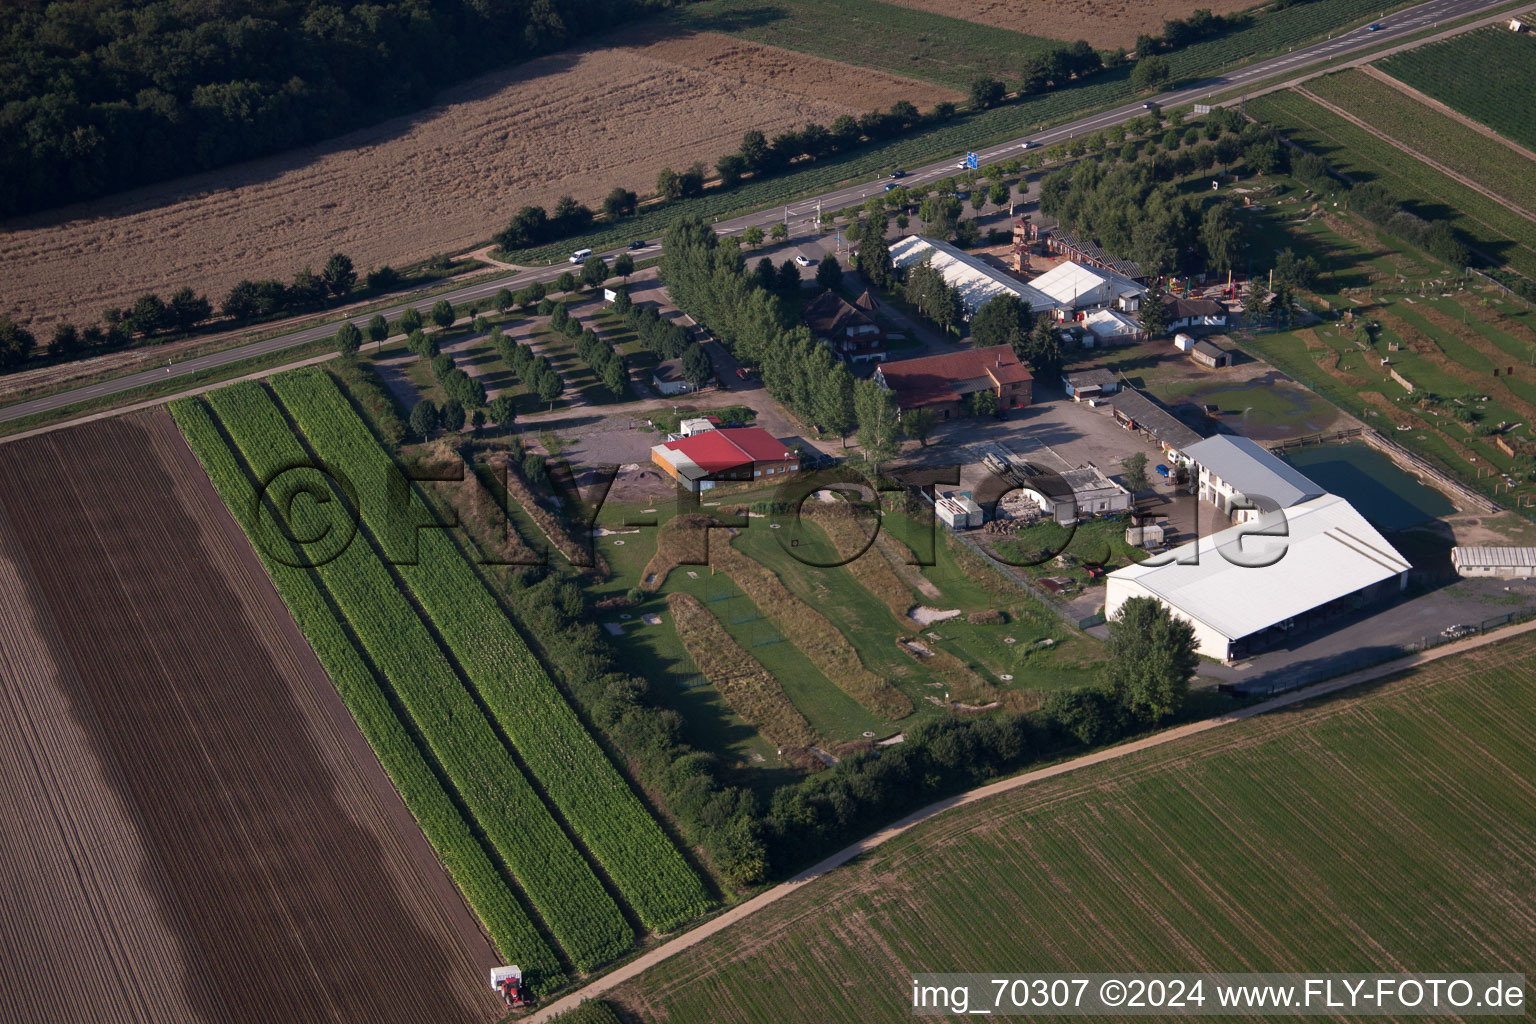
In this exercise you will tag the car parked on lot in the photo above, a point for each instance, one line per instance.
(743, 372)
(802, 261)
(1162, 470)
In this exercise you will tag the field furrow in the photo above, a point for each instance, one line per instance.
(556, 880)
(586, 789)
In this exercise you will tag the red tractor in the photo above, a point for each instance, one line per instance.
(509, 982)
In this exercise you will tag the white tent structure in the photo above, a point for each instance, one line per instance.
(1253, 584)
(1075, 286)
(1109, 327)
(976, 280)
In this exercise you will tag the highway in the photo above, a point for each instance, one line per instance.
(1396, 25)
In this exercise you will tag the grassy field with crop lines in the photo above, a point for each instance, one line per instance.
(1380, 831)
(1489, 75)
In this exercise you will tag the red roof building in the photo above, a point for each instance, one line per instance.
(701, 461)
(944, 382)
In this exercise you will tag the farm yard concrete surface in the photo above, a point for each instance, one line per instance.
(1104, 24)
(579, 122)
(194, 828)
(1403, 23)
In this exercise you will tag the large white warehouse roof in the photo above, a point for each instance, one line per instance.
(975, 279)
(1244, 583)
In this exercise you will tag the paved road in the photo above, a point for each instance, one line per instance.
(1399, 24)
(735, 915)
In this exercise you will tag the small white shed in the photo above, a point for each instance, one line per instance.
(1183, 342)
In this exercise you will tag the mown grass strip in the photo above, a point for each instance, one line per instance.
(585, 787)
(559, 884)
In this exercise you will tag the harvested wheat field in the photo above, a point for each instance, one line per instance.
(441, 180)
(1104, 23)
(1379, 831)
(191, 825)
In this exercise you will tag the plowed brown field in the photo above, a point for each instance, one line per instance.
(579, 122)
(1104, 23)
(191, 826)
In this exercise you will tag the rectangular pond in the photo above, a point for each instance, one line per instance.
(1390, 497)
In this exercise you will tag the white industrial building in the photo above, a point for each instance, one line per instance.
(976, 280)
(1251, 586)
(1072, 286)
(1237, 474)
(1508, 563)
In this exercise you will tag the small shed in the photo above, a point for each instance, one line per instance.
(1516, 25)
(668, 378)
(1183, 342)
(1207, 354)
(1149, 536)
(1087, 384)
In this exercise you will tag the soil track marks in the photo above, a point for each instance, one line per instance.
(1104, 24)
(193, 828)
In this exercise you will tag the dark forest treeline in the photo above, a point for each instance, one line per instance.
(97, 96)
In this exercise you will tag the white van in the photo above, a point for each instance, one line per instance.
(581, 255)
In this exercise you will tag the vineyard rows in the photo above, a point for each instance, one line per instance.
(1488, 75)
(559, 751)
(1358, 153)
(557, 881)
(1440, 138)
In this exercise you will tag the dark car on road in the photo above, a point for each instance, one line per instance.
(638, 243)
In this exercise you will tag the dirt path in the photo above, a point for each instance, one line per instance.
(1397, 143)
(1436, 105)
(737, 914)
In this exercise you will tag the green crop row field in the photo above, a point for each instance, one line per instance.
(1373, 832)
(1271, 32)
(1502, 234)
(567, 762)
(1489, 75)
(891, 38)
(1440, 138)
(452, 837)
(559, 884)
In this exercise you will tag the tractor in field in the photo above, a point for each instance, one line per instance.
(509, 982)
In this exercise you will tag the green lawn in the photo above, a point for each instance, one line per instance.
(1381, 831)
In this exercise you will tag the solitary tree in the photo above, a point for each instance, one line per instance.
(549, 387)
(1150, 74)
(623, 265)
(502, 300)
(779, 231)
(452, 415)
(348, 339)
(918, 424)
(1153, 314)
(1002, 320)
(696, 366)
(594, 271)
(503, 411)
(477, 421)
(378, 329)
(753, 236)
(829, 272)
(424, 418)
(410, 320)
(1134, 468)
(982, 404)
(620, 203)
(879, 422)
(16, 343)
(338, 274)
(565, 282)
(986, 92)
(1151, 659)
(443, 314)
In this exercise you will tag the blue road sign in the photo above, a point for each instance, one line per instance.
(970, 160)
